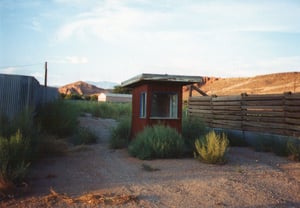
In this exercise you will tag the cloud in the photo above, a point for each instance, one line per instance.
(35, 25)
(255, 16)
(70, 60)
(115, 20)
(69, 1)
(9, 70)
(110, 21)
(76, 60)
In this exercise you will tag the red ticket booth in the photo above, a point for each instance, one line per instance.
(157, 99)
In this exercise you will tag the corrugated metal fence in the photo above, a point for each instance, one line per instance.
(276, 113)
(18, 93)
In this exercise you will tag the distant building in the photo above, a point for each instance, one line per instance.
(117, 98)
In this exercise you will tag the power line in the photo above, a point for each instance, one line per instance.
(20, 66)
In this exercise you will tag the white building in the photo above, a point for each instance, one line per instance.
(112, 97)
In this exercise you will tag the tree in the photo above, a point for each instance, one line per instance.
(121, 90)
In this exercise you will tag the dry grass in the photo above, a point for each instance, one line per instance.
(88, 199)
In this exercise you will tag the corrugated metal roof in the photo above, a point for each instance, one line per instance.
(146, 78)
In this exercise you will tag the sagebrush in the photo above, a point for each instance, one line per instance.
(192, 128)
(158, 141)
(212, 148)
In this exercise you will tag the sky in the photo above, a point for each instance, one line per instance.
(114, 40)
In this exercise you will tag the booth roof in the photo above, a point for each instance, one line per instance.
(148, 78)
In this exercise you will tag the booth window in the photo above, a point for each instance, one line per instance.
(143, 103)
(164, 105)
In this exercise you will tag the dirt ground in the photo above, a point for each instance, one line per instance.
(96, 176)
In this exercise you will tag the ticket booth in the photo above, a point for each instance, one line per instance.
(157, 99)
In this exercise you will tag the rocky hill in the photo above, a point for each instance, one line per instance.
(81, 88)
(264, 84)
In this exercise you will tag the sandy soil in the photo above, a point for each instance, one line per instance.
(249, 179)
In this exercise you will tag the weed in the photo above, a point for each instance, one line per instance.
(116, 111)
(212, 148)
(120, 134)
(13, 158)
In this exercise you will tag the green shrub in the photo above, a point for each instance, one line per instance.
(59, 118)
(84, 136)
(192, 128)
(120, 135)
(211, 148)
(13, 158)
(157, 142)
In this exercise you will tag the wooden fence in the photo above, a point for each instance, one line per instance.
(18, 93)
(273, 113)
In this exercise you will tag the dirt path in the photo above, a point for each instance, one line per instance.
(249, 179)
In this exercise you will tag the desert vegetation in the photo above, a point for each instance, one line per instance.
(55, 127)
(47, 132)
(212, 148)
(158, 141)
(120, 135)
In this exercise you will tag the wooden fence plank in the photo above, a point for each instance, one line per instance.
(292, 103)
(292, 115)
(292, 108)
(263, 108)
(265, 103)
(227, 117)
(201, 107)
(226, 98)
(292, 121)
(264, 97)
(231, 108)
(265, 119)
(265, 113)
(229, 103)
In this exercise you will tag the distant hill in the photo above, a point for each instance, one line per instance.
(265, 84)
(104, 84)
(81, 88)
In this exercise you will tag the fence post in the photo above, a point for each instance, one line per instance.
(243, 107)
(212, 111)
(284, 108)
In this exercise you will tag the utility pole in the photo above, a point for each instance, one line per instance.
(46, 74)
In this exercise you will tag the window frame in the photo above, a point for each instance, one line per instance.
(143, 105)
(172, 109)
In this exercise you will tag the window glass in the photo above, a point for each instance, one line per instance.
(143, 99)
(164, 105)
